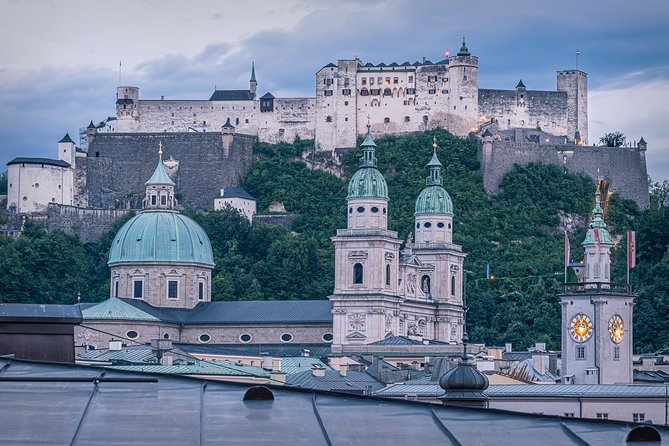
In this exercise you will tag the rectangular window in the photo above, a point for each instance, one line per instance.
(379, 80)
(346, 82)
(172, 289)
(153, 200)
(327, 92)
(138, 289)
(411, 91)
(387, 81)
(432, 91)
(638, 417)
(163, 200)
(602, 416)
(569, 414)
(580, 352)
(375, 91)
(346, 92)
(616, 353)
(364, 81)
(200, 291)
(116, 289)
(432, 78)
(396, 80)
(371, 81)
(411, 79)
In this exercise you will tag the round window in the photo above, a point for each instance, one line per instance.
(427, 225)
(375, 209)
(204, 338)
(286, 337)
(328, 337)
(361, 209)
(417, 225)
(132, 334)
(25, 198)
(440, 225)
(36, 184)
(245, 337)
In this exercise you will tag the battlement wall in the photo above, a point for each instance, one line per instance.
(118, 165)
(623, 167)
(88, 224)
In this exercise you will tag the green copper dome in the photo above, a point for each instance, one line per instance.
(161, 236)
(367, 181)
(597, 232)
(434, 199)
(160, 175)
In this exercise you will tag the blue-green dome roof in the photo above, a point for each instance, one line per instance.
(367, 181)
(161, 236)
(597, 232)
(434, 200)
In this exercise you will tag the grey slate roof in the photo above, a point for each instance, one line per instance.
(236, 192)
(359, 383)
(231, 95)
(297, 364)
(69, 404)
(47, 161)
(267, 95)
(67, 138)
(276, 350)
(44, 314)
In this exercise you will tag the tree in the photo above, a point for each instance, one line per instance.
(613, 139)
(3, 182)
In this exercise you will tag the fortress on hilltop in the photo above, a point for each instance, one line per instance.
(208, 142)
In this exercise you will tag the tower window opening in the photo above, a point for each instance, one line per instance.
(153, 200)
(163, 200)
(440, 225)
(375, 209)
(387, 275)
(200, 291)
(427, 224)
(580, 352)
(452, 285)
(361, 209)
(357, 273)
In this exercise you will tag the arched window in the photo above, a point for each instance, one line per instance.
(357, 273)
(163, 199)
(387, 92)
(387, 275)
(452, 285)
(364, 92)
(154, 200)
(597, 270)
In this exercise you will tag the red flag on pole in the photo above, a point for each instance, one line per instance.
(596, 234)
(631, 249)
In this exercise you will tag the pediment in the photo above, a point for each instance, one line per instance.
(356, 336)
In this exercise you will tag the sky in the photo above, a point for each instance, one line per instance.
(59, 59)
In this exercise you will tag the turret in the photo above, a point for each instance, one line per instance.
(463, 92)
(67, 150)
(367, 192)
(575, 84)
(434, 209)
(91, 131)
(160, 187)
(521, 92)
(597, 246)
(253, 84)
(127, 108)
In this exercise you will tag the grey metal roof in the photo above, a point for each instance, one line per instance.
(116, 309)
(231, 95)
(276, 350)
(297, 364)
(218, 368)
(236, 192)
(651, 376)
(360, 383)
(129, 354)
(44, 314)
(47, 161)
(262, 312)
(535, 390)
(403, 340)
(267, 95)
(67, 404)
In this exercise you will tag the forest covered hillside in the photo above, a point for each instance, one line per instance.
(519, 233)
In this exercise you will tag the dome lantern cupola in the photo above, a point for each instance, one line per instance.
(367, 191)
(434, 208)
(160, 187)
(597, 246)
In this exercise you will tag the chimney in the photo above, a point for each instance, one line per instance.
(305, 353)
(277, 378)
(266, 361)
(115, 345)
(539, 363)
(343, 369)
(508, 347)
(167, 359)
(161, 344)
(318, 372)
(540, 346)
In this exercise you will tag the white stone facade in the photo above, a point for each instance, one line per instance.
(35, 183)
(397, 99)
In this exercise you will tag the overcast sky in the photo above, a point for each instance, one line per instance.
(59, 60)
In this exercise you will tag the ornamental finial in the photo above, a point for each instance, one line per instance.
(369, 123)
(160, 149)
(434, 143)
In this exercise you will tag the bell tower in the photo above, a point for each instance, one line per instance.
(597, 316)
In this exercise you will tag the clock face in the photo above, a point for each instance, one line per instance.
(616, 328)
(580, 327)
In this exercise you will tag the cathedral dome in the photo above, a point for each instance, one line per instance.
(367, 182)
(161, 236)
(434, 200)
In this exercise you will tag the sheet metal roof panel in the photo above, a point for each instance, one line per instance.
(277, 350)
(44, 314)
(259, 312)
(116, 309)
(225, 368)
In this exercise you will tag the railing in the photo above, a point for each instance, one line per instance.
(597, 287)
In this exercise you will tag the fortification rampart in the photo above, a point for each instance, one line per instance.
(88, 224)
(623, 167)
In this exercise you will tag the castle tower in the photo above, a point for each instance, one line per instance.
(575, 84)
(597, 317)
(440, 278)
(67, 150)
(366, 260)
(253, 84)
(463, 107)
(127, 109)
(160, 255)
(160, 187)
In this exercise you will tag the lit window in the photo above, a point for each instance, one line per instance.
(172, 289)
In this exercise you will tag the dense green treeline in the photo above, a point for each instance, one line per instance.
(518, 233)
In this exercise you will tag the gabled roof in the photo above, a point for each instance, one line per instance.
(297, 364)
(236, 192)
(403, 340)
(394, 64)
(116, 309)
(354, 382)
(486, 133)
(231, 95)
(47, 161)
(267, 95)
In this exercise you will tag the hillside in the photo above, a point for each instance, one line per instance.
(518, 233)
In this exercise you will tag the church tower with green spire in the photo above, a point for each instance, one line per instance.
(597, 316)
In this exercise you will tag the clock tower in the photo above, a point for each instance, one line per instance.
(597, 316)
